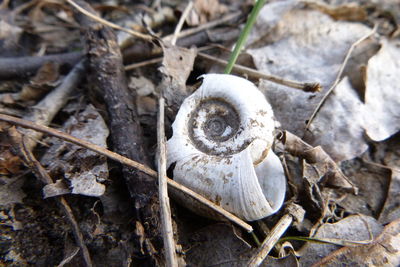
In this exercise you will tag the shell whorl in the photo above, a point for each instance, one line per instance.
(222, 135)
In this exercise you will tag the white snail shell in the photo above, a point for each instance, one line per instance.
(221, 144)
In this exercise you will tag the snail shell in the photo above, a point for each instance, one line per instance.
(221, 147)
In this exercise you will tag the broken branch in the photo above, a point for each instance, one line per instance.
(128, 162)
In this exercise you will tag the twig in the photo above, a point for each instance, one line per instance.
(128, 162)
(108, 76)
(243, 35)
(110, 24)
(203, 27)
(168, 234)
(24, 66)
(154, 60)
(143, 63)
(44, 112)
(269, 242)
(179, 26)
(339, 75)
(26, 153)
(307, 87)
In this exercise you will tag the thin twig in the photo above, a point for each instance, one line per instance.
(44, 111)
(339, 75)
(110, 24)
(182, 19)
(203, 27)
(41, 174)
(155, 60)
(24, 66)
(168, 234)
(307, 87)
(270, 240)
(143, 63)
(128, 162)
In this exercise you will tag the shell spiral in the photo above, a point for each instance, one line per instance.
(221, 144)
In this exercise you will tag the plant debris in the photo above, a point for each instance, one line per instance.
(330, 70)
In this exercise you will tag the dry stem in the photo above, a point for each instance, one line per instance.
(168, 234)
(339, 75)
(110, 24)
(307, 87)
(269, 242)
(128, 162)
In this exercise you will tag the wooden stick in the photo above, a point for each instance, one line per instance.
(269, 242)
(168, 233)
(307, 87)
(178, 27)
(205, 26)
(24, 66)
(44, 111)
(110, 24)
(128, 162)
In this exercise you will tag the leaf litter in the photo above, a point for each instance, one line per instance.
(305, 41)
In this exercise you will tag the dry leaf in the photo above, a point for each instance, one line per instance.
(350, 11)
(44, 80)
(306, 46)
(11, 191)
(383, 251)
(9, 163)
(373, 185)
(391, 209)
(328, 171)
(55, 189)
(84, 170)
(382, 101)
(10, 34)
(204, 11)
(176, 67)
(219, 245)
(338, 126)
(352, 228)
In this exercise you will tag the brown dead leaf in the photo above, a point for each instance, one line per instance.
(176, 67)
(9, 34)
(43, 82)
(204, 11)
(84, 171)
(330, 173)
(347, 11)
(11, 190)
(9, 163)
(391, 208)
(383, 251)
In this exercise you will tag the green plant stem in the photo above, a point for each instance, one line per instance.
(243, 35)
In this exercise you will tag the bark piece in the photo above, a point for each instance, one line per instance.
(108, 76)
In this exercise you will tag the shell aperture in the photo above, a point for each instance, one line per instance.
(221, 143)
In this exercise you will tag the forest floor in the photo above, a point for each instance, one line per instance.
(83, 84)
